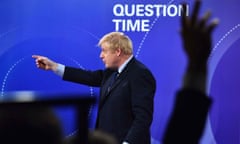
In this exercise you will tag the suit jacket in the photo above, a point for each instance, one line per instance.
(187, 122)
(126, 111)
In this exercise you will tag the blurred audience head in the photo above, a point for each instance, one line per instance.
(29, 125)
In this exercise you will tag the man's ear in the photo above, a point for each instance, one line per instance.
(118, 51)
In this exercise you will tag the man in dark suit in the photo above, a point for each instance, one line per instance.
(187, 122)
(127, 89)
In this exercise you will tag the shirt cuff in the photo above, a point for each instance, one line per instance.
(60, 70)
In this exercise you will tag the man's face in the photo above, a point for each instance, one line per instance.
(109, 57)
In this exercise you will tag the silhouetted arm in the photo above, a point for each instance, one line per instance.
(188, 118)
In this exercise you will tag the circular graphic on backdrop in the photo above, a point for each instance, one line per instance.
(224, 89)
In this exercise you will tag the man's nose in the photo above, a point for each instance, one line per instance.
(101, 55)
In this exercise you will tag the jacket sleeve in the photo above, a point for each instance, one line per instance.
(187, 121)
(77, 75)
(143, 89)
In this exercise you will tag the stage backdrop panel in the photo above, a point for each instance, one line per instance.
(68, 32)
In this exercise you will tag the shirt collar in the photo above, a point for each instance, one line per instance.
(120, 69)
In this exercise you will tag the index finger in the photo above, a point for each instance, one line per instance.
(36, 56)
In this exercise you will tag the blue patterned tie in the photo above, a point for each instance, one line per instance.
(113, 77)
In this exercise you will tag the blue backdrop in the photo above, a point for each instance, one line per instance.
(68, 32)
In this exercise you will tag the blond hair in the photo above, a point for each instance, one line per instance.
(117, 40)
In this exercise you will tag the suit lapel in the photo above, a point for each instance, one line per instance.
(122, 76)
(105, 93)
